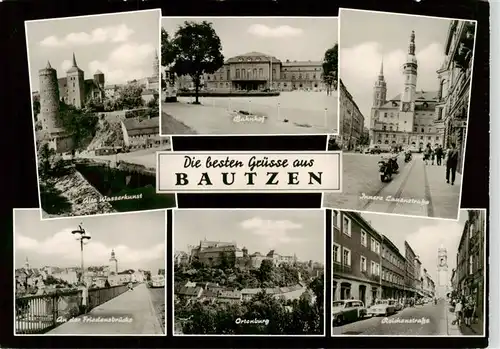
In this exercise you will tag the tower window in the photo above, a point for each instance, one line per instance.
(385, 115)
(423, 130)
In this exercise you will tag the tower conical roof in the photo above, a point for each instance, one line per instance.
(74, 67)
(48, 65)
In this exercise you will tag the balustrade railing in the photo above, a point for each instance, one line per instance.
(37, 314)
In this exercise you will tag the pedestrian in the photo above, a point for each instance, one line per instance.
(451, 164)
(439, 155)
(85, 295)
(458, 312)
(433, 155)
(469, 311)
(427, 153)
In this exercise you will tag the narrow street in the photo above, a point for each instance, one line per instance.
(426, 320)
(424, 184)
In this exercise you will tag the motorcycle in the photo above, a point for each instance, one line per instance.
(387, 167)
(407, 156)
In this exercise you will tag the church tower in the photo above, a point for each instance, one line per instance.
(380, 89)
(76, 85)
(410, 77)
(156, 66)
(27, 264)
(49, 99)
(442, 270)
(113, 263)
(407, 107)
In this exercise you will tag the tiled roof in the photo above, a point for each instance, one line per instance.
(230, 294)
(135, 124)
(302, 64)
(253, 56)
(190, 291)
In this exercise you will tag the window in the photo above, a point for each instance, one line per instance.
(363, 264)
(372, 244)
(471, 265)
(414, 129)
(237, 73)
(422, 129)
(336, 217)
(346, 256)
(255, 72)
(261, 72)
(384, 275)
(346, 225)
(375, 269)
(385, 115)
(363, 238)
(384, 127)
(377, 247)
(471, 230)
(336, 253)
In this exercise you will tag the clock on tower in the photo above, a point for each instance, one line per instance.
(406, 106)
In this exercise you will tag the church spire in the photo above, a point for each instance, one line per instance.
(411, 47)
(74, 61)
(48, 65)
(381, 73)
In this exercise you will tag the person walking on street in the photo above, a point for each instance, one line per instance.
(427, 153)
(458, 312)
(451, 164)
(439, 155)
(433, 154)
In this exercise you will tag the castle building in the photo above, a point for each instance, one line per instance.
(442, 270)
(113, 263)
(255, 71)
(75, 90)
(411, 117)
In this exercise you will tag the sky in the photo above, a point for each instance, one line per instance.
(286, 231)
(424, 236)
(299, 39)
(121, 45)
(367, 38)
(137, 238)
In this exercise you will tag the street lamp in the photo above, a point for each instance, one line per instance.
(84, 238)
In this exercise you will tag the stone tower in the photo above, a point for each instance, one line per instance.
(380, 89)
(410, 75)
(27, 264)
(76, 85)
(99, 78)
(442, 270)
(49, 99)
(113, 263)
(156, 66)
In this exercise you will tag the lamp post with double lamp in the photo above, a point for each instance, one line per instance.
(84, 238)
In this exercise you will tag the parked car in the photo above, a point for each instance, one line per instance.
(373, 150)
(347, 310)
(384, 307)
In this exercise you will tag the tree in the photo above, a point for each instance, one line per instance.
(167, 57)
(94, 105)
(79, 123)
(365, 137)
(195, 50)
(265, 270)
(332, 144)
(36, 107)
(129, 97)
(330, 68)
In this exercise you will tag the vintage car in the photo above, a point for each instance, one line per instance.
(398, 305)
(347, 310)
(384, 307)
